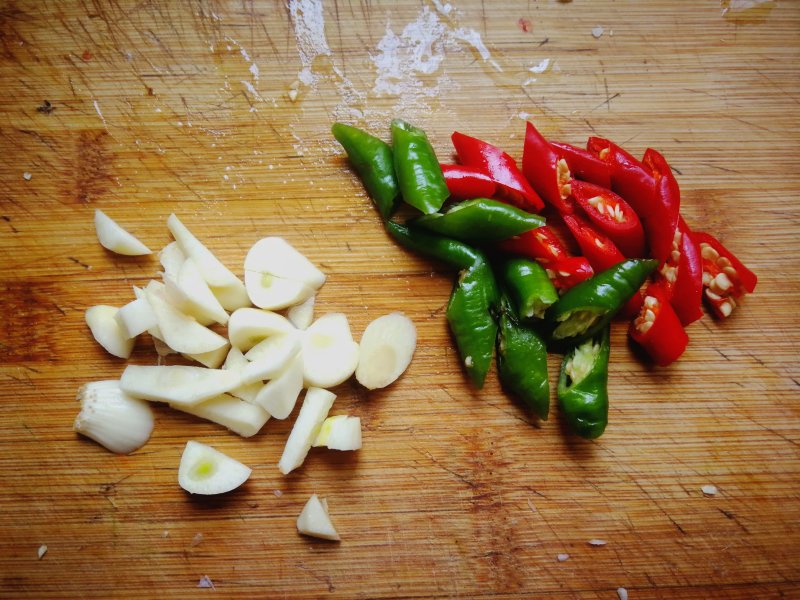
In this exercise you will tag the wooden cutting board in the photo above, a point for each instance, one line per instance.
(220, 112)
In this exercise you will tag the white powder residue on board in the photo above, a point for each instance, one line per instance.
(308, 21)
(537, 69)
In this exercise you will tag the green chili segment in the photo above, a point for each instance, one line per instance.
(469, 313)
(481, 221)
(373, 160)
(452, 252)
(583, 386)
(588, 307)
(418, 172)
(529, 287)
(522, 361)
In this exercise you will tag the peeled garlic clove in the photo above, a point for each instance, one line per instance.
(275, 256)
(212, 359)
(105, 329)
(315, 521)
(113, 237)
(112, 418)
(306, 428)
(340, 433)
(171, 258)
(330, 355)
(386, 349)
(177, 384)
(236, 361)
(248, 326)
(279, 396)
(136, 317)
(271, 292)
(204, 470)
(270, 357)
(237, 415)
(198, 299)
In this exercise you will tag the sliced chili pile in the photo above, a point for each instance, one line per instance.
(519, 288)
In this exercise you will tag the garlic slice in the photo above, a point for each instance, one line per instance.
(113, 237)
(205, 470)
(177, 384)
(112, 418)
(315, 521)
(105, 329)
(306, 428)
(341, 432)
(302, 315)
(237, 415)
(235, 361)
(386, 349)
(330, 355)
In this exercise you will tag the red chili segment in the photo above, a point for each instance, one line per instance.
(467, 183)
(663, 211)
(569, 271)
(629, 177)
(583, 164)
(599, 250)
(725, 278)
(540, 244)
(657, 328)
(611, 215)
(682, 276)
(512, 185)
(548, 173)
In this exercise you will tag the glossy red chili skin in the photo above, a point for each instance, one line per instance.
(569, 271)
(511, 184)
(662, 214)
(467, 183)
(540, 244)
(747, 279)
(629, 177)
(598, 249)
(627, 235)
(540, 167)
(666, 340)
(686, 293)
(583, 164)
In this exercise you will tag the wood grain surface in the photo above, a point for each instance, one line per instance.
(147, 108)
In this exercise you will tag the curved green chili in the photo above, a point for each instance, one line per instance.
(583, 386)
(587, 307)
(373, 160)
(529, 287)
(522, 361)
(481, 221)
(418, 172)
(452, 252)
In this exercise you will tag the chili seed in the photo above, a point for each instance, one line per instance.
(726, 309)
(650, 302)
(708, 252)
(644, 327)
(722, 282)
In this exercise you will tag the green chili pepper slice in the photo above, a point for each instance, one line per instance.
(587, 307)
(522, 361)
(373, 160)
(452, 252)
(481, 221)
(469, 313)
(418, 172)
(529, 287)
(583, 386)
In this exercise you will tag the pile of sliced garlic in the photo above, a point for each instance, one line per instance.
(257, 371)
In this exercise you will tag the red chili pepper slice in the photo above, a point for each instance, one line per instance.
(611, 215)
(569, 271)
(662, 214)
(682, 276)
(629, 177)
(583, 164)
(657, 328)
(512, 185)
(540, 244)
(724, 276)
(467, 183)
(599, 250)
(546, 171)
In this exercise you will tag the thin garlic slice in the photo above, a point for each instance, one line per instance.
(205, 470)
(113, 237)
(315, 521)
(105, 328)
(387, 346)
(237, 415)
(112, 418)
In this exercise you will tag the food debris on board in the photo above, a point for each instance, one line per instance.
(709, 490)
(205, 582)
(562, 557)
(41, 551)
(597, 542)
(641, 259)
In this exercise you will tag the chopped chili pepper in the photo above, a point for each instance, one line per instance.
(583, 386)
(522, 361)
(612, 216)
(599, 250)
(587, 307)
(511, 184)
(480, 221)
(529, 286)
(466, 183)
(472, 301)
(569, 271)
(658, 329)
(584, 165)
(541, 244)
(725, 278)
(372, 159)
(546, 171)
(418, 172)
(682, 276)
(629, 177)
(661, 215)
